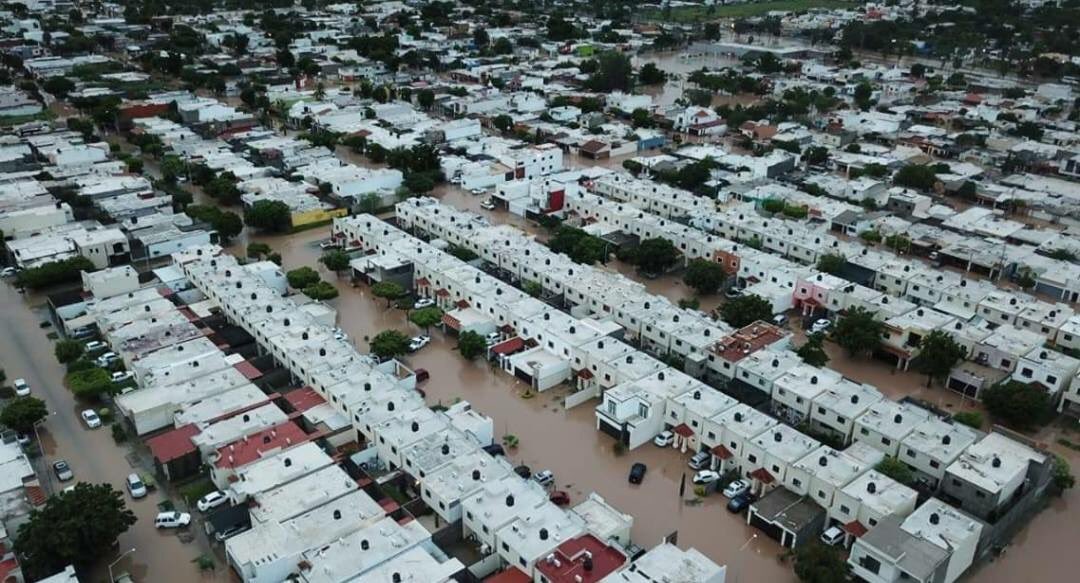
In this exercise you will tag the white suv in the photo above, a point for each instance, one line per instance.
(172, 519)
(21, 388)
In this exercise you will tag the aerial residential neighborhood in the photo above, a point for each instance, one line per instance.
(552, 292)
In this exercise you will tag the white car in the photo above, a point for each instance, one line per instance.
(95, 345)
(735, 488)
(121, 376)
(172, 519)
(21, 388)
(329, 244)
(90, 418)
(106, 359)
(135, 486)
(488, 205)
(211, 500)
(493, 338)
(832, 536)
(820, 326)
(664, 439)
(478, 191)
(706, 477)
(418, 342)
(7, 272)
(544, 477)
(423, 303)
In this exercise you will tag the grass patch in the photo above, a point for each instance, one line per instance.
(197, 489)
(691, 14)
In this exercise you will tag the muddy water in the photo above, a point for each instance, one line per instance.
(94, 457)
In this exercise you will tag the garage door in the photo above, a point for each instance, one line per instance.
(612, 430)
(771, 530)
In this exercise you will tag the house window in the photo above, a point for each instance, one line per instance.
(1026, 372)
(751, 458)
(934, 464)
(1051, 379)
(643, 411)
(910, 452)
(796, 482)
(611, 407)
(863, 431)
(845, 509)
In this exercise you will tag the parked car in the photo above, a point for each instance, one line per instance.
(495, 449)
(106, 359)
(23, 439)
(123, 578)
(340, 334)
(423, 303)
(95, 345)
(493, 338)
(523, 471)
(329, 244)
(664, 439)
(637, 473)
(90, 418)
(732, 293)
(544, 477)
(488, 204)
(21, 388)
(478, 191)
(223, 535)
(700, 460)
(211, 501)
(741, 502)
(62, 470)
(736, 487)
(559, 498)
(135, 486)
(121, 376)
(820, 326)
(832, 536)
(7, 272)
(780, 320)
(172, 519)
(706, 477)
(419, 342)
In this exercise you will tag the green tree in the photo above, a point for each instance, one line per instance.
(227, 224)
(1018, 405)
(302, 277)
(389, 343)
(257, 250)
(418, 182)
(22, 413)
(831, 263)
(745, 310)
(68, 351)
(320, 290)
(896, 469)
(426, 317)
(816, 155)
(471, 344)
(426, 99)
(388, 290)
(335, 260)
(90, 383)
(74, 528)
(58, 86)
(921, 177)
(503, 122)
(269, 215)
(54, 272)
(641, 118)
(1062, 475)
(704, 276)
(650, 74)
(171, 168)
(858, 332)
(972, 419)
(819, 563)
(938, 354)
(533, 288)
(656, 255)
(613, 73)
(863, 94)
(812, 352)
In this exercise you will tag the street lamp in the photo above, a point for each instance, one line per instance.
(738, 572)
(122, 555)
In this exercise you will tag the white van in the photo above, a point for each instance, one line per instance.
(832, 536)
(700, 460)
(172, 519)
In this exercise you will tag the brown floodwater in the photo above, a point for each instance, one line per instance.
(26, 352)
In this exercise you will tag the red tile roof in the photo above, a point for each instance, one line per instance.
(683, 430)
(442, 292)
(244, 451)
(568, 565)
(722, 452)
(747, 340)
(855, 528)
(762, 475)
(509, 346)
(173, 444)
(585, 374)
(422, 282)
(304, 399)
(511, 575)
(248, 370)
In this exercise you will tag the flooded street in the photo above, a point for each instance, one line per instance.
(26, 352)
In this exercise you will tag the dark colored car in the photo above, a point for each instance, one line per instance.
(740, 503)
(559, 498)
(523, 471)
(495, 449)
(637, 473)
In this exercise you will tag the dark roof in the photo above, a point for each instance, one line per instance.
(787, 509)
